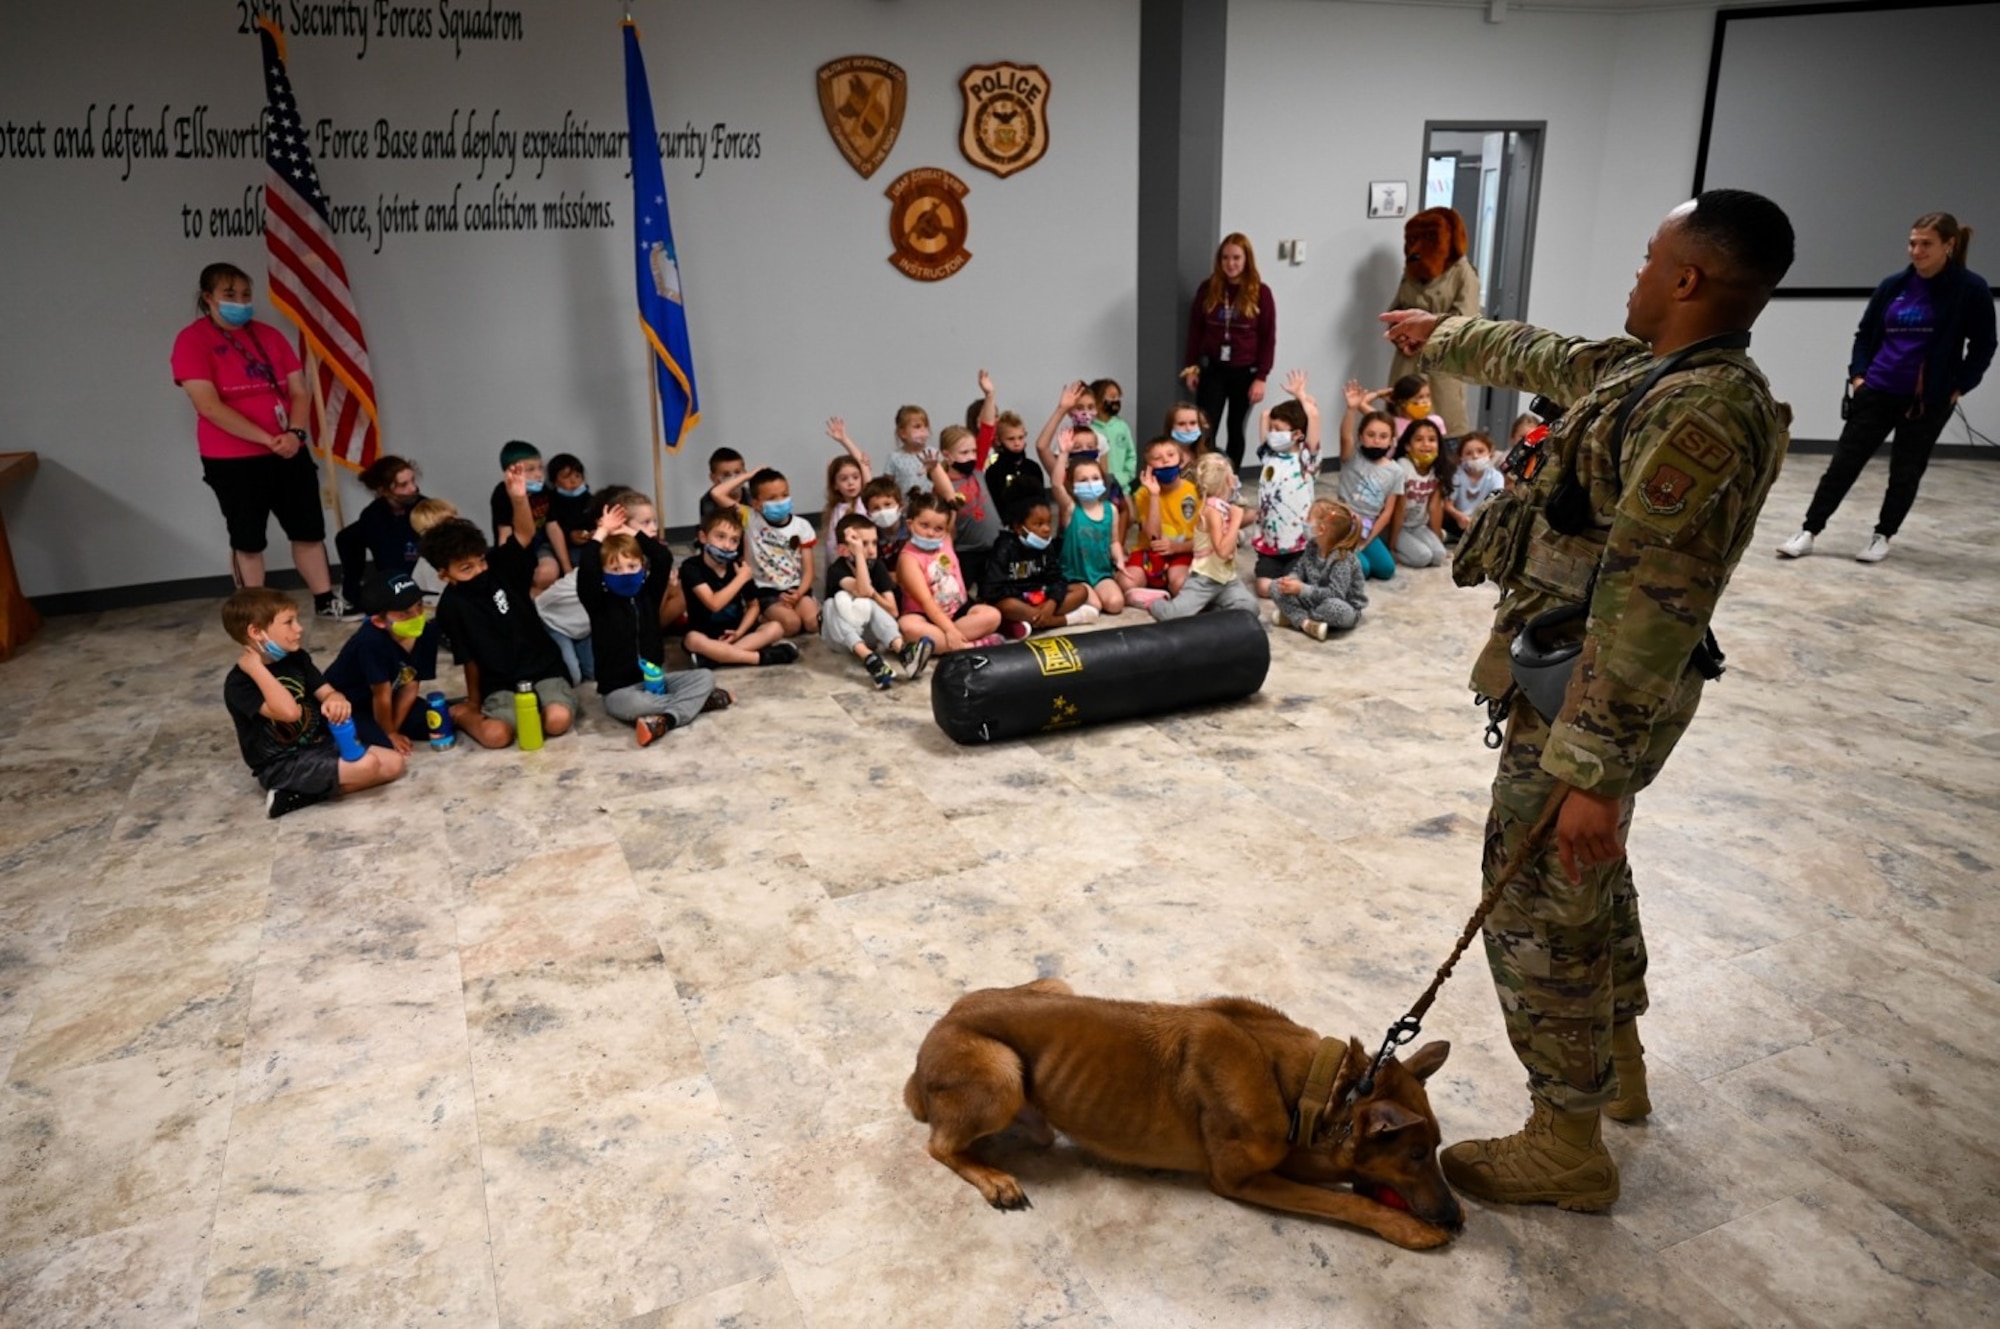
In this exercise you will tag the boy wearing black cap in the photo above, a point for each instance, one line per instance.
(381, 668)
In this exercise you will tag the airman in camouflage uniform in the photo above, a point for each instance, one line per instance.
(1663, 532)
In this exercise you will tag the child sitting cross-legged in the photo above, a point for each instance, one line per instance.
(931, 583)
(622, 579)
(860, 617)
(1024, 576)
(726, 624)
(282, 705)
(780, 545)
(1093, 540)
(1325, 590)
(487, 610)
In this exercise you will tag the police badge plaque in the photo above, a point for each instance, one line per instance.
(1006, 126)
(927, 224)
(861, 98)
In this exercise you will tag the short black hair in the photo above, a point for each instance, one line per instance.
(721, 455)
(765, 476)
(1750, 231)
(451, 541)
(1022, 506)
(565, 461)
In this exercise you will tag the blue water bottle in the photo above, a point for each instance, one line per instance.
(437, 719)
(652, 677)
(343, 736)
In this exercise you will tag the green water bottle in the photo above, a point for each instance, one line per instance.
(527, 716)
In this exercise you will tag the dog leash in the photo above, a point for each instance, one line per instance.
(1409, 1026)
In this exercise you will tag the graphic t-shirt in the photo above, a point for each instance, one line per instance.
(978, 523)
(1284, 492)
(777, 553)
(373, 656)
(1417, 492)
(261, 739)
(1468, 491)
(942, 575)
(492, 622)
(1908, 325)
(1178, 505)
(1367, 486)
(249, 366)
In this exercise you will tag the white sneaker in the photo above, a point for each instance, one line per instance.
(1797, 547)
(1877, 550)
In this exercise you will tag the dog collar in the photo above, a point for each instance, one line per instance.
(1316, 1099)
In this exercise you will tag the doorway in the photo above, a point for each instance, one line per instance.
(1491, 172)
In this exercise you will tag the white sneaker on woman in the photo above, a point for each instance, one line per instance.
(1797, 547)
(1877, 550)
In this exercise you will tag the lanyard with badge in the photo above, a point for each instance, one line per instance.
(262, 370)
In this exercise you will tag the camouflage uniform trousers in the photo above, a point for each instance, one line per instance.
(1568, 958)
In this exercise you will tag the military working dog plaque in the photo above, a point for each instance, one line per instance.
(862, 98)
(1006, 126)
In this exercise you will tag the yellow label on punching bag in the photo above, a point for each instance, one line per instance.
(1055, 655)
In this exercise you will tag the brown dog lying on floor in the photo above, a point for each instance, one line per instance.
(1214, 1088)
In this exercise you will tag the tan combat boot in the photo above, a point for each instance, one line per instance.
(1628, 1064)
(1557, 1158)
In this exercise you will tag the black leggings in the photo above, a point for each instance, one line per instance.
(1871, 418)
(1220, 383)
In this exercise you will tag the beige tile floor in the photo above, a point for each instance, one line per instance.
(597, 1036)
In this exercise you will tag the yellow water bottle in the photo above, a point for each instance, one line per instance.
(527, 716)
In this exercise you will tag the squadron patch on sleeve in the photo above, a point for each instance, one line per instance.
(1681, 475)
(1701, 447)
(1665, 491)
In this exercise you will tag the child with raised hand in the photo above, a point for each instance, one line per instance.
(1025, 579)
(846, 476)
(1211, 581)
(935, 600)
(1371, 483)
(1068, 429)
(1476, 480)
(1011, 474)
(1326, 590)
(1420, 541)
(860, 614)
(572, 511)
(281, 707)
(725, 623)
(976, 524)
(1164, 507)
(780, 544)
(1289, 446)
(1406, 400)
(1121, 453)
(488, 613)
(622, 578)
(527, 459)
(1093, 542)
(382, 666)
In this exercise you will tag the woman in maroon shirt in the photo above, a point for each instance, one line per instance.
(1232, 339)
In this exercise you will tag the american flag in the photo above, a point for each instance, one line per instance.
(308, 282)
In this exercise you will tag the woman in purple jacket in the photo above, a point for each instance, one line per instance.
(1925, 340)
(1232, 340)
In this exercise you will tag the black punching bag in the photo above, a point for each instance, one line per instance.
(1049, 683)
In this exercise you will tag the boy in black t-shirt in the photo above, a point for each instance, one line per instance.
(527, 459)
(572, 509)
(383, 664)
(1024, 577)
(725, 621)
(281, 706)
(860, 615)
(488, 612)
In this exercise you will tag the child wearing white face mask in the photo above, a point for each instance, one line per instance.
(1476, 480)
(1290, 452)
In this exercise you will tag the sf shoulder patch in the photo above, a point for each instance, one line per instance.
(1678, 477)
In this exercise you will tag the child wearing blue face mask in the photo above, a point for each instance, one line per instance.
(1024, 575)
(780, 546)
(623, 579)
(1093, 542)
(282, 707)
(725, 624)
(572, 511)
(529, 458)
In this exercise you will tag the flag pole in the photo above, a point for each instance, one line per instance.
(330, 488)
(659, 441)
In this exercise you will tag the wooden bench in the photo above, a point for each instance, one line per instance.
(18, 619)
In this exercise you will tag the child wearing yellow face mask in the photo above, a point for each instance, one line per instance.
(383, 666)
(1420, 540)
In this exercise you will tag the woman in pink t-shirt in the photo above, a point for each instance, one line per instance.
(249, 397)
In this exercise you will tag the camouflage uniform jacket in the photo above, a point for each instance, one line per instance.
(1699, 457)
